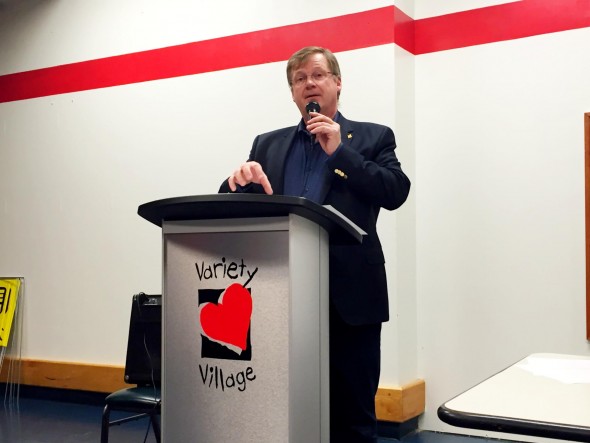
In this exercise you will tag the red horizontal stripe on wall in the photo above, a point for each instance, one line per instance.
(508, 21)
(404, 30)
(353, 31)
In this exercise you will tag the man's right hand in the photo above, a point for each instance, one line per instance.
(249, 172)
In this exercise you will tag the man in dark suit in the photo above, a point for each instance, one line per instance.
(351, 166)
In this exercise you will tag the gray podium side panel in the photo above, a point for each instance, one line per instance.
(309, 340)
(260, 379)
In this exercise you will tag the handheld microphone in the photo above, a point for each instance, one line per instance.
(312, 107)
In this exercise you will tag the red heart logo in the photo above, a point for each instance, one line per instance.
(229, 320)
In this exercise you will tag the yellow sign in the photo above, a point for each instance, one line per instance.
(9, 289)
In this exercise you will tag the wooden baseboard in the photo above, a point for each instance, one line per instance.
(397, 404)
(400, 404)
(63, 375)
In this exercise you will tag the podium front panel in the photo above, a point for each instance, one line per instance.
(241, 356)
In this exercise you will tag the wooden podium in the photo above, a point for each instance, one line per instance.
(245, 317)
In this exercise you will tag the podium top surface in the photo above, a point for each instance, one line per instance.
(226, 206)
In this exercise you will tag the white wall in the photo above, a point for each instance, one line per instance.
(500, 204)
(78, 165)
(485, 261)
(429, 8)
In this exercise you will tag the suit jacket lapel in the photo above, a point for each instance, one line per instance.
(278, 161)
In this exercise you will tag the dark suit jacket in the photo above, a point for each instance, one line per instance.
(365, 176)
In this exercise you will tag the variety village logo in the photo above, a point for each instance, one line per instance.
(225, 322)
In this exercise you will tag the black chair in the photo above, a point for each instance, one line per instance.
(142, 368)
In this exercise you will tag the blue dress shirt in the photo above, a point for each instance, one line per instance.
(306, 171)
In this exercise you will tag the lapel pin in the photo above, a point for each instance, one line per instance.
(340, 173)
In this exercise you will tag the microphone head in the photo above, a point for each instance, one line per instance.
(312, 107)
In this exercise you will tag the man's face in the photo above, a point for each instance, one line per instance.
(312, 81)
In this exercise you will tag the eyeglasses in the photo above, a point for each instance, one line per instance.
(317, 77)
